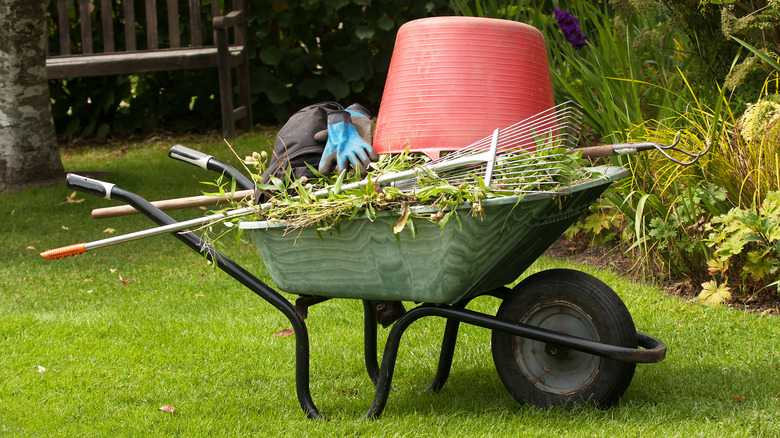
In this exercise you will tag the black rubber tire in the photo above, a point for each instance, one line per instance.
(574, 303)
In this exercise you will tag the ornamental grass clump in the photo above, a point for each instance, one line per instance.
(716, 223)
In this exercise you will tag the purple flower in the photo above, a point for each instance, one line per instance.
(570, 28)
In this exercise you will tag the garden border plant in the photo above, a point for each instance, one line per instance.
(635, 87)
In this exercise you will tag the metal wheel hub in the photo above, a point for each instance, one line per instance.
(550, 367)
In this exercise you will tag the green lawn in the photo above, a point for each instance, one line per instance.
(94, 345)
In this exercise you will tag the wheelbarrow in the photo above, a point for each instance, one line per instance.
(559, 336)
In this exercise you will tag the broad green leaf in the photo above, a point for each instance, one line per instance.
(352, 71)
(364, 33)
(730, 247)
(337, 87)
(271, 55)
(758, 265)
(714, 294)
(279, 94)
(310, 87)
(385, 23)
(103, 130)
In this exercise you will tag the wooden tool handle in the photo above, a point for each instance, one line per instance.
(171, 204)
(597, 151)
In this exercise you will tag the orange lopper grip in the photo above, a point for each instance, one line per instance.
(65, 251)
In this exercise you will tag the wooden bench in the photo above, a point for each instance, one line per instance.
(180, 47)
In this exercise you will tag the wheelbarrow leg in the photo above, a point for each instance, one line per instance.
(369, 340)
(446, 355)
(370, 348)
(385, 376)
(244, 277)
(447, 350)
(302, 353)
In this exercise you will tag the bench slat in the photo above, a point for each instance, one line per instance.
(173, 24)
(86, 26)
(129, 16)
(59, 67)
(152, 41)
(196, 34)
(106, 19)
(63, 27)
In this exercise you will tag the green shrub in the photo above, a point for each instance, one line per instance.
(746, 244)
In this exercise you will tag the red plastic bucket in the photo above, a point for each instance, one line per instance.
(453, 80)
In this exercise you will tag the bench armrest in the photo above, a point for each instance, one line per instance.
(227, 21)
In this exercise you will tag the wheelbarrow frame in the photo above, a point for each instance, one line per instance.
(651, 349)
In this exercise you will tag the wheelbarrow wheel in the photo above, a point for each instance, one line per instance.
(547, 375)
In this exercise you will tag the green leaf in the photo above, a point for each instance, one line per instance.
(265, 186)
(279, 94)
(446, 218)
(358, 86)
(278, 184)
(339, 182)
(729, 247)
(310, 87)
(335, 5)
(87, 131)
(103, 130)
(758, 265)
(412, 228)
(713, 293)
(337, 87)
(385, 23)
(352, 71)
(271, 55)
(364, 32)
(764, 57)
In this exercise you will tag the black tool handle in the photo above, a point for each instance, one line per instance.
(191, 156)
(89, 185)
(208, 162)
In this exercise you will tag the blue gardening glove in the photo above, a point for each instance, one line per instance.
(345, 145)
(361, 118)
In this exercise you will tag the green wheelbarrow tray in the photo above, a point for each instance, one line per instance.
(364, 259)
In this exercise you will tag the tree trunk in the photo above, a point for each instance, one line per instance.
(28, 144)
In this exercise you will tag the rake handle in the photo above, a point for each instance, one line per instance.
(171, 204)
(597, 151)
